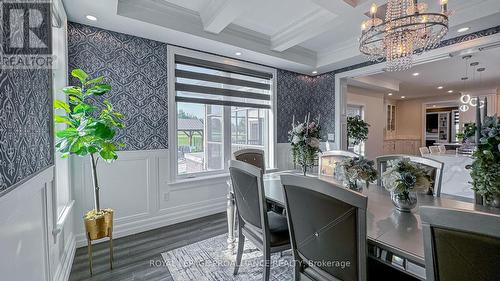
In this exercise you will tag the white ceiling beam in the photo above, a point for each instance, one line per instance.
(307, 27)
(218, 14)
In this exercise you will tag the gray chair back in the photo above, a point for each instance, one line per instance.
(460, 245)
(333, 230)
(435, 169)
(249, 193)
(251, 156)
(328, 161)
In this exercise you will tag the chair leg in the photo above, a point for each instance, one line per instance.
(267, 264)
(239, 254)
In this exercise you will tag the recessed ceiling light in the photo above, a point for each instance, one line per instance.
(463, 29)
(433, 105)
(238, 53)
(92, 18)
(403, 97)
(315, 72)
(389, 94)
(440, 87)
(416, 74)
(450, 91)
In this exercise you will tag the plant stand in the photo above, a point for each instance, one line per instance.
(96, 228)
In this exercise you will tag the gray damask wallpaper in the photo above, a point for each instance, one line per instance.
(136, 68)
(25, 120)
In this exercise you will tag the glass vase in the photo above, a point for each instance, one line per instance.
(404, 201)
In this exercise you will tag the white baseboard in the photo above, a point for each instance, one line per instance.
(189, 212)
(64, 269)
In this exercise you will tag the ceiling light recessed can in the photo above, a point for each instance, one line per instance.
(403, 97)
(92, 18)
(389, 94)
(238, 53)
(450, 91)
(440, 87)
(416, 74)
(463, 29)
(315, 72)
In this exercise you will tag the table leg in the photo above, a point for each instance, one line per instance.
(231, 209)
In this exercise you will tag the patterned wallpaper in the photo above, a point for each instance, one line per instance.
(25, 123)
(136, 68)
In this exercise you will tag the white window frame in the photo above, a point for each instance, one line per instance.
(172, 115)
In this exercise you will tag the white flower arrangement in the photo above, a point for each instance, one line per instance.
(305, 139)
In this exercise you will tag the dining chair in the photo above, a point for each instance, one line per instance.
(434, 149)
(460, 245)
(251, 156)
(442, 148)
(334, 230)
(328, 161)
(424, 151)
(267, 230)
(434, 169)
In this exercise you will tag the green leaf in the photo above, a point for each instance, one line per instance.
(95, 80)
(101, 130)
(98, 90)
(69, 132)
(59, 104)
(72, 90)
(62, 119)
(80, 74)
(83, 107)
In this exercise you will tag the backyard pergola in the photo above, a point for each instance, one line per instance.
(190, 127)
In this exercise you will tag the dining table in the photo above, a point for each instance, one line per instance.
(393, 237)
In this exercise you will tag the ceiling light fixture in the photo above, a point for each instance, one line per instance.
(315, 72)
(403, 97)
(450, 91)
(238, 53)
(440, 87)
(416, 74)
(408, 30)
(463, 29)
(92, 18)
(389, 94)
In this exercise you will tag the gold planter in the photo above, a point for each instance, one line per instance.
(98, 226)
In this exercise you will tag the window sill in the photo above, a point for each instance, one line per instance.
(196, 180)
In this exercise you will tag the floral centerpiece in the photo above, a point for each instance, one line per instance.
(358, 169)
(305, 140)
(485, 170)
(403, 179)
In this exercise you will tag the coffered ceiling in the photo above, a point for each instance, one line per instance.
(298, 35)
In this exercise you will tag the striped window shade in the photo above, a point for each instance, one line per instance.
(208, 82)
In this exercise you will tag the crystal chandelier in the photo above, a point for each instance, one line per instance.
(409, 29)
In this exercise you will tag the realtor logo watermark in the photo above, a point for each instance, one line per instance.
(26, 35)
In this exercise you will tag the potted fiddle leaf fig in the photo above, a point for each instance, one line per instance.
(357, 130)
(90, 131)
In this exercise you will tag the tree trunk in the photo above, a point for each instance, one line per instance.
(93, 163)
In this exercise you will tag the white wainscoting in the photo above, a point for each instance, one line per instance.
(29, 250)
(137, 186)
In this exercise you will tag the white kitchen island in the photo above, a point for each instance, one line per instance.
(456, 178)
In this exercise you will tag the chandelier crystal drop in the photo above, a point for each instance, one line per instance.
(408, 30)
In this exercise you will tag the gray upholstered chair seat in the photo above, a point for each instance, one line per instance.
(278, 230)
(278, 227)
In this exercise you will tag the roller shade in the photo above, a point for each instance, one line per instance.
(207, 82)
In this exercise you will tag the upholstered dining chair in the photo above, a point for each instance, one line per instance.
(328, 161)
(442, 148)
(251, 156)
(424, 151)
(460, 245)
(333, 230)
(267, 230)
(434, 149)
(435, 169)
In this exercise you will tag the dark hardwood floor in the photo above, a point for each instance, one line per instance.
(135, 254)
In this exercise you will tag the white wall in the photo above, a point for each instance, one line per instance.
(374, 114)
(137, 187)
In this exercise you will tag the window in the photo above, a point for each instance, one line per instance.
(221, 106)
